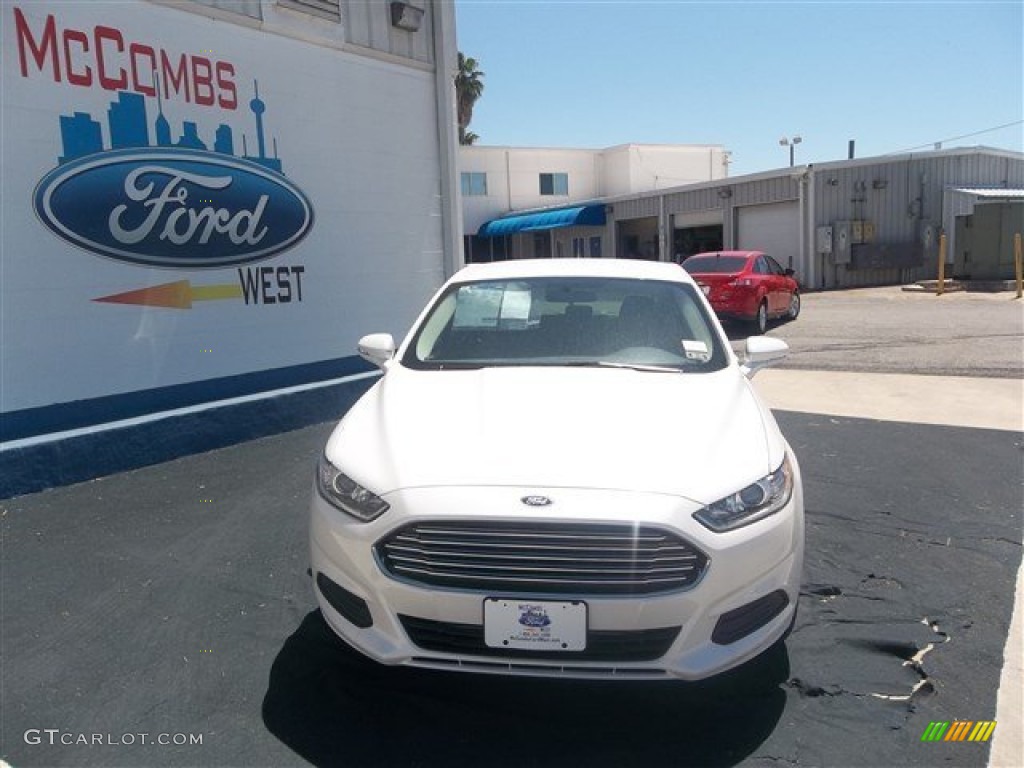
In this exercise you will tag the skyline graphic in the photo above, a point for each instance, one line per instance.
(128, 127)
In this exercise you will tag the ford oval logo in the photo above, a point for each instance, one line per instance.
(176, 208)
(536, 501)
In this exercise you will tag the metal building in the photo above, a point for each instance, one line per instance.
(872, 221)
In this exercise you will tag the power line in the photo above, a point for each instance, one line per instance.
(957, 138)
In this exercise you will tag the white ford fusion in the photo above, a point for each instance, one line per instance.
(564, 470)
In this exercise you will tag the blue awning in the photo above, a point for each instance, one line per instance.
(580, 216)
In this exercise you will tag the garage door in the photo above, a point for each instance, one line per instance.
(772, 228)
(696, 219)
(696, 232)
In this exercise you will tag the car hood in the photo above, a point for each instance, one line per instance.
(701, 436)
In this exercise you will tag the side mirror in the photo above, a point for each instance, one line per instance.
(377, 348)
(788, 272)
(761, 352)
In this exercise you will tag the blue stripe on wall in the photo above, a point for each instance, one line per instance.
(83, 457)
(32, 422)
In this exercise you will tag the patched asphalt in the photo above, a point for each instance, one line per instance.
(175, 600)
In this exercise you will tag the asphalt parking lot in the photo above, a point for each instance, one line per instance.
(172, 604)
(888, 330)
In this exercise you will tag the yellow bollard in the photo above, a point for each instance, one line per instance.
(1017, 265)
(942, 266)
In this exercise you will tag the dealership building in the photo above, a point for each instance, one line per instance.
(850, 223)
(205, 204)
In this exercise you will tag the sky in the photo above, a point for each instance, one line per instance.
(892, 76)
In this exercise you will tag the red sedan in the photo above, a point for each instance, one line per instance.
(746, 285)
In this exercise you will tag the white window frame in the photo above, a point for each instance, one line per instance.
(557, 190)
(468, 183)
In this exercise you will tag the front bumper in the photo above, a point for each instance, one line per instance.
(741, 605)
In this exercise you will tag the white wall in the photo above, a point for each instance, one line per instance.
(357, 135)
(513, 174)
(633, 168)
(513, 179)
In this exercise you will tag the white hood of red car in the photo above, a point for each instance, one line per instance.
(701, 436)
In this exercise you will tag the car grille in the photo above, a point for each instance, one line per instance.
(546, 558)
(602, 645)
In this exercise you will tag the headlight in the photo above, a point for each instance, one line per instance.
(346, 494)
(765, 497)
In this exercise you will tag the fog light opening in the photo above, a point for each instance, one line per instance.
(352, 607)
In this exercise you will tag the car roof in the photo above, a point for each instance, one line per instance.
(622, 268)
(741, 254)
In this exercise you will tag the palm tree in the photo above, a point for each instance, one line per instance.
(468, 88)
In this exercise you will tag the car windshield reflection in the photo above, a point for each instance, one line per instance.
(568, 321)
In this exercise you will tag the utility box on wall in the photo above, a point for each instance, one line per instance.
(824, 240)
(861, 231)
(842, 239)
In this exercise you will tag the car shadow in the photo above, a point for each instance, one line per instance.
(332, 706)
(738, 331)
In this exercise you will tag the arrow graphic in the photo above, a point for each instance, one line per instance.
(177, 295)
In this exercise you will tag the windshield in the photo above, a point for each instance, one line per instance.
(597, 321)
(711, 265)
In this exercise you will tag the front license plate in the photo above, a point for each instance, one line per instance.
(535, 625)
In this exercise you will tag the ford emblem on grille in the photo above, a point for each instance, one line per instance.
(536, 501)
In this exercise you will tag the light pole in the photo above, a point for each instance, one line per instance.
(791, 143)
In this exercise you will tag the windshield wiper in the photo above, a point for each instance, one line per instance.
(641, 367)
(629, 366)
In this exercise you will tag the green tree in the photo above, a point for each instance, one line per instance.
(469, 86)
